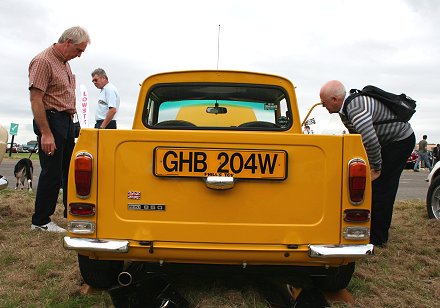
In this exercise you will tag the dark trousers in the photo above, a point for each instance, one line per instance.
(110, 125)
(54, 169)
(384, 189)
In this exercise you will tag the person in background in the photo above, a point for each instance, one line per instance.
(423, 155)
(53, 102)
(387, 145)
(108, 100)
(436, 153)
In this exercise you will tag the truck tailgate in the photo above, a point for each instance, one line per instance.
(301, 207)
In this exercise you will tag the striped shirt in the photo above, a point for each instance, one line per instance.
(51, 73)
(362, 113)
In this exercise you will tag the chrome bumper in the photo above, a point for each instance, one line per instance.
(95, 244)
(315, 251)
(340, 251)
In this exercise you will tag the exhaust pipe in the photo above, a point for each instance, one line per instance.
(125, 279)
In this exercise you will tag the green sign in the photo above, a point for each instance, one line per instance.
(13, 129)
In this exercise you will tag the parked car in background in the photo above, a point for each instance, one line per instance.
(13, 149)
(33, 146)
(412, 159)
(433, 195)
(33, 149)
(22, 149)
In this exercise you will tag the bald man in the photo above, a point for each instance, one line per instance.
(388, 146)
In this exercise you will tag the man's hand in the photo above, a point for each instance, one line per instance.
(109, 116)
(374, 174)
(48, 144)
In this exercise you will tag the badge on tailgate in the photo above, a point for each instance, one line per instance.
(204, 162)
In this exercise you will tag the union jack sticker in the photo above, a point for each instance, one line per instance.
(134, 195)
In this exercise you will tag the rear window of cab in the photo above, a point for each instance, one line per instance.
(217, 106)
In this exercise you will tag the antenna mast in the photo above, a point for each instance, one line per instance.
(218, 46)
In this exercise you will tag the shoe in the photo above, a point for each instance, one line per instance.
(49, 227)
(415, 170)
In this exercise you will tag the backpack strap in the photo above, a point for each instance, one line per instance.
(355, 93)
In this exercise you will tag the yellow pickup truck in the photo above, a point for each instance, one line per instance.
(216, 173)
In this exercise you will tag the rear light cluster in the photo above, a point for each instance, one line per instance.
(81, 227)
(83, 174)
(83, 184)
(356, 215)
(357, 180)
(356, 233)
(82, 209)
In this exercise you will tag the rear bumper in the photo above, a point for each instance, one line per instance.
(340, 251)
(88, 244)
(314, 251)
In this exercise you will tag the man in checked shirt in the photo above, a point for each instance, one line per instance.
(52, 95)
(388, 146)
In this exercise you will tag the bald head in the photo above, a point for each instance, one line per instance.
(332, 95)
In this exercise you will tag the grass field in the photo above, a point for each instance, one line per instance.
(35, 270)
(17, 156)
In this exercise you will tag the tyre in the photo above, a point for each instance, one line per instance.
(101, 274)
(336, 280)
(433, 199)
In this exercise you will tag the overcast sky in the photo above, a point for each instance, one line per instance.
(393, 44)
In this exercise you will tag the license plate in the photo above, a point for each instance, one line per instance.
(203, 162)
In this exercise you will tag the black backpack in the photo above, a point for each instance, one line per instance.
(401, 105)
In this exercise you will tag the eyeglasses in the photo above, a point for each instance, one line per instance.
(95, 80)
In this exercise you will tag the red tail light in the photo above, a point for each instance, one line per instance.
(83, 174)
(82, 209)
(357, 177)
(356, 215)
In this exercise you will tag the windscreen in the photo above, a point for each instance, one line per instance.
(217, 106)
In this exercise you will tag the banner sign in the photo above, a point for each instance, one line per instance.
(83, 113)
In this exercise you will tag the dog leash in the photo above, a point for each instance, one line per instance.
(33, 150)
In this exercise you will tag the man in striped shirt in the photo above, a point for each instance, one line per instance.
(52, 95)
(388, 146)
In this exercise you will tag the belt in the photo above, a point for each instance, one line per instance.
(54, 111)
